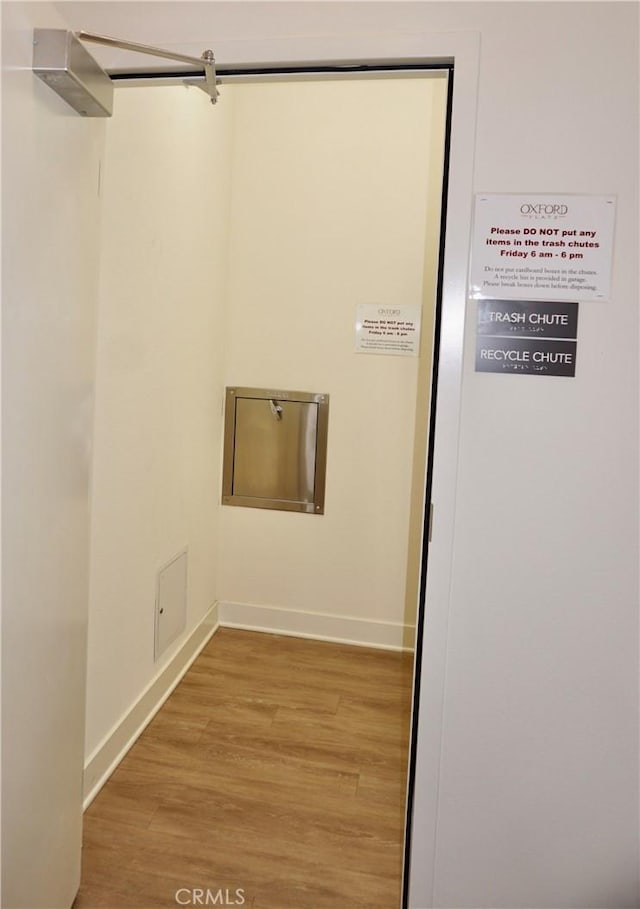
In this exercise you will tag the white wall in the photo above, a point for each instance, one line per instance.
(330, 205)
(166, 186)
(50, 208)
(539, 773)
(541, 698)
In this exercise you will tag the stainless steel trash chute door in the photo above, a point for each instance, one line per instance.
(275, 449)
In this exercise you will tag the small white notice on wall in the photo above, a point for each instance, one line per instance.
(540, 247)
(384, 329)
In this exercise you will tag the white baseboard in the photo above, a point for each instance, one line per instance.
(339, 629)
(271, 619)
(106, 757)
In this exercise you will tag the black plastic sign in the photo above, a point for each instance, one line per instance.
(527, 337)
(521, 319)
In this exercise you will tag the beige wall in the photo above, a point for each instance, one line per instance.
(331, 185)
(159, 373)
(417, 527)
(237, 242)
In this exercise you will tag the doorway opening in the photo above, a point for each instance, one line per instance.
(299, 262)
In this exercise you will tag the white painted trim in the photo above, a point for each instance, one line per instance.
(464, 49)
(106, 757)
(319, 626)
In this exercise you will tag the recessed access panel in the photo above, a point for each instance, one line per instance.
(275, 449)
(171, 603)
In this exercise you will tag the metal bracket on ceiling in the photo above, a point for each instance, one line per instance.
(63, 63)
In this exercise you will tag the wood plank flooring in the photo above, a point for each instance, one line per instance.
(277, 768)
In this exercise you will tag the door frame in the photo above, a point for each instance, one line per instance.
(459, 51)
(462, 50)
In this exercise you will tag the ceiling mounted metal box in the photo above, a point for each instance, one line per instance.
(275, 449)
(63, 63)
(60, 60)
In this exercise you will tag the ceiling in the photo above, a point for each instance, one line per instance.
(185, 27)
(190, 27)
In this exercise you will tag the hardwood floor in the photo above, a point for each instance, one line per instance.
(276, 768)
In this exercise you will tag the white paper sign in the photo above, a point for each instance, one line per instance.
(539, 247)
(384, 329)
